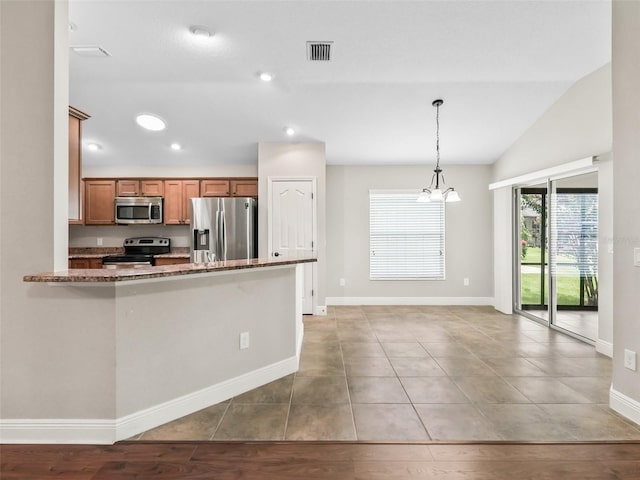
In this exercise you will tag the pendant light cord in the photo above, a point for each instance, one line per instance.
(438, 135)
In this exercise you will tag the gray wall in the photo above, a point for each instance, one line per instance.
(626, 145)
(44, 329)
(468, 231)
(291, 160)
(577, 126)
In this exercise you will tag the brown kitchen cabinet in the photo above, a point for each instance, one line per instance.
(160, 261)
(85, 263)
(137, 188)
(244, 187)
(177, 194)
(140, 188)
(99, 202)
(76, 117)
(214, 188)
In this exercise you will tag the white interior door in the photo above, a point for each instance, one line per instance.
(291, 227)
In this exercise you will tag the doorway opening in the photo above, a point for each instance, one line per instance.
(556, 260)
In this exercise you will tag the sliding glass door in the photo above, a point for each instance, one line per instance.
(556, 264)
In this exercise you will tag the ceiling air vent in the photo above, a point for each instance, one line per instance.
(319, 51)
(90, 51)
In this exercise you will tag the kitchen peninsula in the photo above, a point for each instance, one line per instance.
(168, 341)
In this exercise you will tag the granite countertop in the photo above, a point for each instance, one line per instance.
(127, 274)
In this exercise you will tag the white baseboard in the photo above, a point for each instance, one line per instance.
(52, 430)
(625, 406)
(605, 348)
(453, 301)
(99, 431)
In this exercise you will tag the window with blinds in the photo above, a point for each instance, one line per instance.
(406, 237)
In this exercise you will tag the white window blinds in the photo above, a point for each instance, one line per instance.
(406, 237)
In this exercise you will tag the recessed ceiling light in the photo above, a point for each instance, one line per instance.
(150, 122)
(176, 146)
(200, 31)
(266, 76)
(94, 147)
(290, 131)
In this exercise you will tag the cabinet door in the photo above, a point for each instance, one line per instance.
(173, 202)
(95, 263)
(79, 263)
(128, 188)
(244, 188)
(152, 188)
(191, 189)
(99, 202)
(214, 188)
(170, 261)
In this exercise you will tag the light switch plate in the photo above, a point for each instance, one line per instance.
(636, 257)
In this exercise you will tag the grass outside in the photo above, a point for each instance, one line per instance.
(533, 256)
(568, 288)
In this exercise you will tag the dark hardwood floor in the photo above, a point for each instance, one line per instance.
(321, 461)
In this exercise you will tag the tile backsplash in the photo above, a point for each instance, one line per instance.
(113, 236)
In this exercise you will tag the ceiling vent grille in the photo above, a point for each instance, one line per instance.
(319, 51)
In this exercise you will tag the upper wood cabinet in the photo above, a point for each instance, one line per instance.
(177, 194)
(244, 187)
(214, 188)
(99, 202)
(136, 188)
(75, 164)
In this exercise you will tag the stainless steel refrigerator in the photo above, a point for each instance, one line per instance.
(223, 229)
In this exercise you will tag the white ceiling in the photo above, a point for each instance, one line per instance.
(498, 65)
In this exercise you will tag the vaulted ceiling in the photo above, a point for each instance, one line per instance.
(498, 65)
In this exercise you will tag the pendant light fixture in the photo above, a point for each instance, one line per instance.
(438, 192)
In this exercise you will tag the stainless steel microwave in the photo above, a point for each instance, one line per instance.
(138, 210)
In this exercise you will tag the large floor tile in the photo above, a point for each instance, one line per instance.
(314, 365)
(464, 366)
(546, 390)
(253, 422)
(404, 349)
(200, 425)
(362, 349)
(274, 392)
(455, 422)
(590, 422)
(319, 391)
(523, 422)
(433, 390)
(416, 367)
(513, 367)
(320, 422)
(489, 390)
(376, 390)
(596, 389)
(447, 349)
(388, 422)
(368, 367)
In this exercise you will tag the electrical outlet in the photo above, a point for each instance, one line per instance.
(636, 257)
(99, 241)
(342, 282)
(466, 282)
(630, 360)
(244, 340)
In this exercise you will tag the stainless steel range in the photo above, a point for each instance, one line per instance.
(138, 252)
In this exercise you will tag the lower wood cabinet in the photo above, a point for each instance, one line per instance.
(170, 261)
(85, 263)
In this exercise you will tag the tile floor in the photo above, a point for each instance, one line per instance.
(420, 373)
